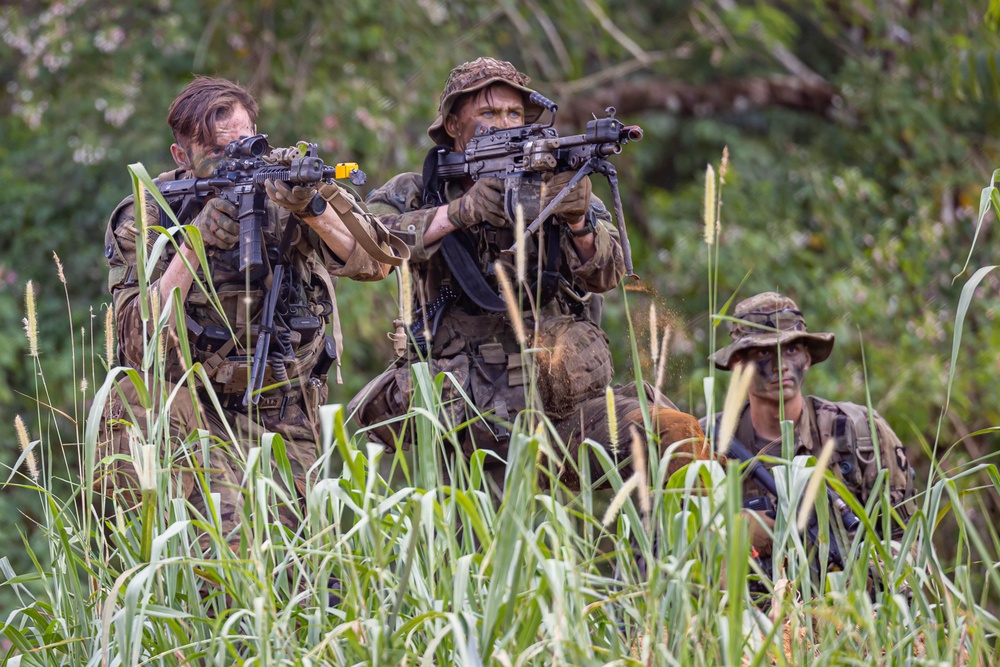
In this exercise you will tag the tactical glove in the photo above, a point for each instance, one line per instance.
(217, 224)
(483, 203)
(574, 205)
(292, 199)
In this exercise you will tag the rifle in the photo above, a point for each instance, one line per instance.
(764, 477)
(239, 178)
(520, 155)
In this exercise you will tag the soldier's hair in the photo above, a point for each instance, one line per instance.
(203, 104)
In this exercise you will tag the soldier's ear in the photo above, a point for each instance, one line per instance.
(451, 125)
(180, 156)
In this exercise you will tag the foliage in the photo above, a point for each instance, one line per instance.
(860, 134)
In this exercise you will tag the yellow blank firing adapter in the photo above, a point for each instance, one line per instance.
(344, 169)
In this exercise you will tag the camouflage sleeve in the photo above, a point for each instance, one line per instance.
(398, 205)
(605, 269)
(123, 280)
(359, 265)
(899, 472)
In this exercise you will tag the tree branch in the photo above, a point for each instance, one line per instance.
(685, 99)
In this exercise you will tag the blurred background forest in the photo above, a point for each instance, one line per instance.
(860, 132)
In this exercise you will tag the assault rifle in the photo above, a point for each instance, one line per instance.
(520, 155)
(764, 477)
(239, 179)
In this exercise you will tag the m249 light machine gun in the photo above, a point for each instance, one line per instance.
(521, 155)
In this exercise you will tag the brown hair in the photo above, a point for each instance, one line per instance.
(203, 104)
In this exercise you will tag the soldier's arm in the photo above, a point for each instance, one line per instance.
(398, 205)
(346, 257)
(604, 269)
(123, 280)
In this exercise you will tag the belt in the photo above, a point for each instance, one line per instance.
(271, 400)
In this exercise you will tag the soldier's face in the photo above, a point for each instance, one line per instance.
(496, 106)
(774, 380)
(201, 159)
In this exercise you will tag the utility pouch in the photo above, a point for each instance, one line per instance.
(327, 355)
(212, 338)
(307, 326)
(515, 370)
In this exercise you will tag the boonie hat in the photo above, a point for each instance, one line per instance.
(768, 320)
(476, 75)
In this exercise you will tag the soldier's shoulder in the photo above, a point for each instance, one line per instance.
(399, 190)
(857, 415)
(125, 208)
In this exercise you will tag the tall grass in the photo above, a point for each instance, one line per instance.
(431, 571)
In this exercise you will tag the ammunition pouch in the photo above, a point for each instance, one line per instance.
(574, 363)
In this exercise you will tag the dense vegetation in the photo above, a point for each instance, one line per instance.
(860, 133)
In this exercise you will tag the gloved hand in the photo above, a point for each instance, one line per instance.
(292, 199)
(574, 205)
(483, 203)
(218, 225)
(761, 536)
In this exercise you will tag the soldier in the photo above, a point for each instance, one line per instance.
(207, 115)
(460, 229)
(816, 420)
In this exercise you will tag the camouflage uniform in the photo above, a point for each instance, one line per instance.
(854, 458)
(479, 347)
(291, 410)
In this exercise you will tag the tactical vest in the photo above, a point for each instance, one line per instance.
(306, 305)
(845, 423)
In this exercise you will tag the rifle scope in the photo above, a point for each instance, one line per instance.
(247, 147)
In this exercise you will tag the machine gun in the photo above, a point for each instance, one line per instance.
(239, 179)
(521, 155)
(764, 477)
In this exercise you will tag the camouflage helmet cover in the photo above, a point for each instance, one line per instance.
(477, 75)
(771, 319)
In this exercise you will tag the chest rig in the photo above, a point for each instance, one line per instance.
(471, 256)
(283, 307)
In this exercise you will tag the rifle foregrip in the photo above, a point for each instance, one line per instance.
(543, 101)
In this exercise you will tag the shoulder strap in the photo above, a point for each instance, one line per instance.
(459, 255)
(349, 211)
(858, 416)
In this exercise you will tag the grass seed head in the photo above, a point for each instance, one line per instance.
(639, 466)
(609, 397)
(406, 294)
(31, 319)
(521, 256)
(709, 205)
(739, 387)
(109, 335)
(25, 444)
(59, 268)
(512, 309)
